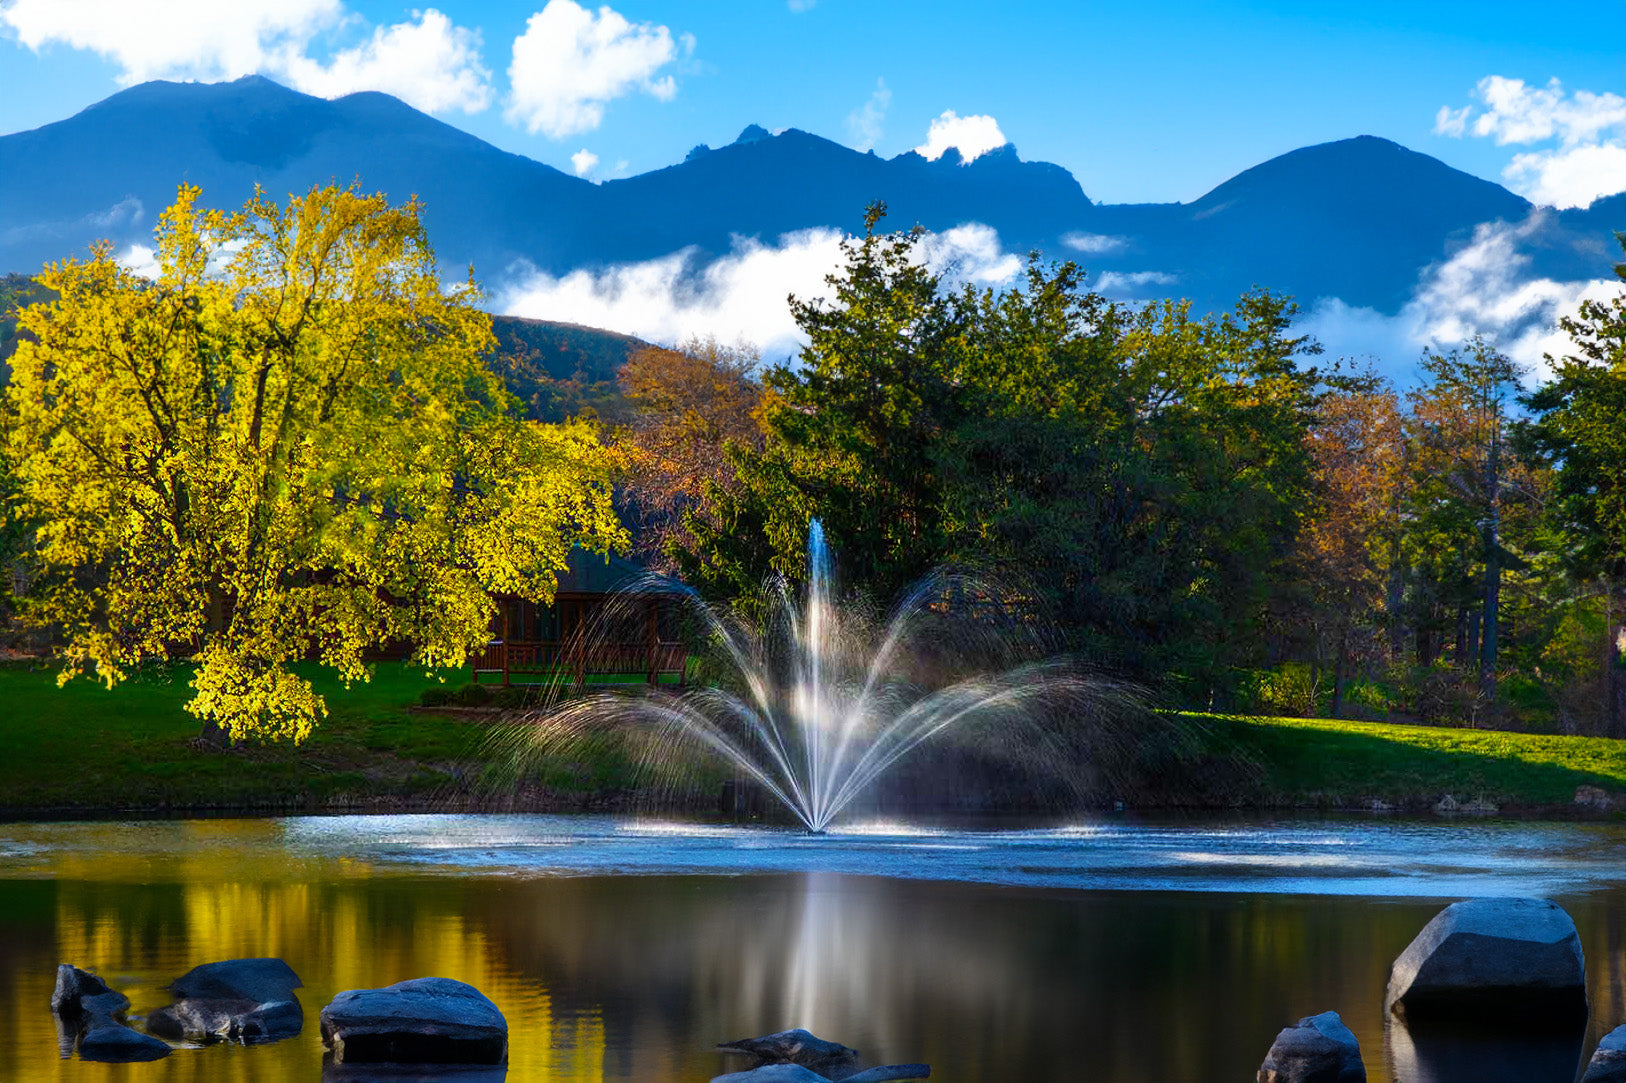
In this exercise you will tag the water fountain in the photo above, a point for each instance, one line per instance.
(820, 702)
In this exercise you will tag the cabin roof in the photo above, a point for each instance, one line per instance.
(599, 573)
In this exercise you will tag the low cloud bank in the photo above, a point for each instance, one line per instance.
(741, 296)
(1485, 289)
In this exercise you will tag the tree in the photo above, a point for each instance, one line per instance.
(283, 447)
(688, 405)
(850, 433)
(1461, 418)
(1357, 448)
(1577, 422)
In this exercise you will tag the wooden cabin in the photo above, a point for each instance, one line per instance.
(607, 624)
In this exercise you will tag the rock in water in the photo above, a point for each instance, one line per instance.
(422, 1021)
(773, 1073)
(238, 1000)
(795, 1047)
(88, 1013)
(1316, 1049)
(888, 1072)
(117, 1042)
(1518, 959)
(1608, 1063)
(74, 986)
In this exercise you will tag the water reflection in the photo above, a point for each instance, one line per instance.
(636, 977)
(1441, 1052)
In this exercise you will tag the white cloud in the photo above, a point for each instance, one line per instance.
(800, 6)
(864, 123)
(1589, 130)
(1131, 285)
(1485, 290)
(1093, 244)
(571, 61)
(583, 162)
(741, 296)
(428, 62)
(1569, 178)
(973, 136)
(152, 39)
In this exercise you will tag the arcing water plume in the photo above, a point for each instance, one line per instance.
(816, 702)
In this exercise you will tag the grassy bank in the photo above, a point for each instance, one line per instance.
(82, 748)
(1321, 763)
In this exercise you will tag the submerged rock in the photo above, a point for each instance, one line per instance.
(1316, 1049)
(888, 1072)
(1515, 958)
(796, 1047)
(238, 1000)
(422, 1021)
(110, 1041)
(774, 1073)
(1608, 1063)
(87, 1013)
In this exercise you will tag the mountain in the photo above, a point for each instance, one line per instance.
(1359, 219)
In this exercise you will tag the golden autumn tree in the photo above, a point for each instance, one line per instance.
(282, 446)
(688, 405)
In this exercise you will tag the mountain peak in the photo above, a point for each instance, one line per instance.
(753, 133)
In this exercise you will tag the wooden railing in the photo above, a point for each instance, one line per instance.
(575, 661)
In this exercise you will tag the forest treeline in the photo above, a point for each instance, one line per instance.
(1202, 503)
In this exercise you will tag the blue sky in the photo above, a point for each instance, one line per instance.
(1150, 101)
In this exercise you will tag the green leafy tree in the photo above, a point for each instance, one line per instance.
(284, 446)
(1578, 423)
(849, 433)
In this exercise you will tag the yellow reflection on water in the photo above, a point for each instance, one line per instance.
(142, 935)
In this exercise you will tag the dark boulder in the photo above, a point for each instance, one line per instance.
(108, 1041)
(1316, 1049)
(422, 1021)
(1608, 1063)
(79, 992)
(774, 1073)
(88, 1019)
(1514, 959)
(797, 1047)
(888, 1072)
(795, 1073)
(238, 1000)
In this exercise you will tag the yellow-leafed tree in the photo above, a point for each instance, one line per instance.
(284, 445)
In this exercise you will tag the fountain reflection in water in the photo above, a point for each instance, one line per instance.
(818, 702)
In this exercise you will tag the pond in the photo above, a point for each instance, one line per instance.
(1115, 951)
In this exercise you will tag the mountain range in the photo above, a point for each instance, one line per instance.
(1360, 220)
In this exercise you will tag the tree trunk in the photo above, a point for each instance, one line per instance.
(1338, 670)
(1613, 685)
(1493, 571)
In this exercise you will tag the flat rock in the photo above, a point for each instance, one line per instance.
(1515, 958)
(414, 1073)
(1316, 1049)
(1608, 1063)
(239, 1000)
(263, 980)
(888, 1072)
(773, 1073)
(107, 1041)
(422, 1021)
(795, 1047)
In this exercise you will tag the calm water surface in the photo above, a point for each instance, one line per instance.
(624, 950)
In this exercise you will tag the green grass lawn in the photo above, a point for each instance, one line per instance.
(1324, 762)
(82, 745)
(87, 748)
